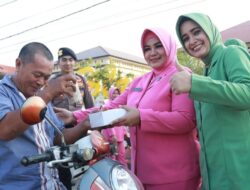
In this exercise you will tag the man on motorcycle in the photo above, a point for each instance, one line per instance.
(17, 139)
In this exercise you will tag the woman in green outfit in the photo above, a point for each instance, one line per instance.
(222, 103)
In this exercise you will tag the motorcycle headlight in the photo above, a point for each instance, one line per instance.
(121, 179)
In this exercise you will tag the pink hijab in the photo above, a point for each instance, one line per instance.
(168, 43)
(111, 91)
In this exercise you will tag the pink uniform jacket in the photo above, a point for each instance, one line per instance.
(164, 145)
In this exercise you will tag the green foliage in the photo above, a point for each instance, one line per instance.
(105, 74)
(130, 75)
(186, 60)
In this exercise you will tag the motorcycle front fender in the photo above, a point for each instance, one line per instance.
(100, 169)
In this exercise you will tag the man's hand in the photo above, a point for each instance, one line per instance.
(65, 115)
(181, 82)
(73, 134)
(64, 84)
(85, 125)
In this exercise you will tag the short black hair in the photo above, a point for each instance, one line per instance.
(28, 52)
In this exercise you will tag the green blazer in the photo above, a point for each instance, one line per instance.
(222, 104)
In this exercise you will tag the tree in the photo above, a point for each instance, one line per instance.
(194, 64)
(101, 77)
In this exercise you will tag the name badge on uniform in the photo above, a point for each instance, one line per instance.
(137, 89)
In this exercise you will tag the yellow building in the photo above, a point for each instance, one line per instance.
(126, 63)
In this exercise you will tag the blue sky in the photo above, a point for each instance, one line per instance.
(115, 24)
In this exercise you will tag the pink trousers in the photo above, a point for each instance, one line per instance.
(121, 157)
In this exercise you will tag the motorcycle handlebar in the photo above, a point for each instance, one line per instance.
(28, 160)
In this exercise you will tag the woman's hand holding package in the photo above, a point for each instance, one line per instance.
(132, 117)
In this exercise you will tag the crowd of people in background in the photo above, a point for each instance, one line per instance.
(116, 135)
(181, 130)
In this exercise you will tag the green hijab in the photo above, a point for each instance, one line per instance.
(207, 26)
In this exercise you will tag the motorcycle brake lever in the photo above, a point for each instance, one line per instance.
(54, 162)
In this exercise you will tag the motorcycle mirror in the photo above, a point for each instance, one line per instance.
(33, 110)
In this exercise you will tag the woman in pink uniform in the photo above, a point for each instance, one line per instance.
(164, 153)
(116, 134)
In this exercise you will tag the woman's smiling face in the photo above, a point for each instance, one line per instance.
(154, 52)
(194, 39)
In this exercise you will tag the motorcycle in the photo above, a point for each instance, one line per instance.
(87, 158)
